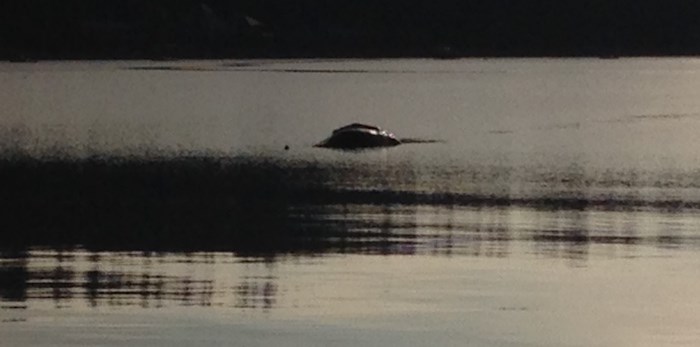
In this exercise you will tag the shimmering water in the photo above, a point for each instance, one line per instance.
(154, 204)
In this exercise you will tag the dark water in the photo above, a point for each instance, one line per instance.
(239, 249)
(547, 216)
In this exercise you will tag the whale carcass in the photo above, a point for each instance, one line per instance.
(359, 136)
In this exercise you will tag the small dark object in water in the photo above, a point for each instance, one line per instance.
(286, 147)
(359, 136)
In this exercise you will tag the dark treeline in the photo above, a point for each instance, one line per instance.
(161, 29)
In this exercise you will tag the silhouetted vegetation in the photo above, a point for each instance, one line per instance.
(159, 29)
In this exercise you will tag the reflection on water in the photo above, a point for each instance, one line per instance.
(159, 232)
(311, 241)
(171, 214)
(248, 278)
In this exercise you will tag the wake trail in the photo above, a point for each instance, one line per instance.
(419, 140)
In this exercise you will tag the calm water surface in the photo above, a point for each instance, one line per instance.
(153, 203)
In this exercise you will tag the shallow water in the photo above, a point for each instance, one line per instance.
(153, 203)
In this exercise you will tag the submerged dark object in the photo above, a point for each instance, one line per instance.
(359, 136)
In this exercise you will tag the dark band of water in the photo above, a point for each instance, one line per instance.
(243, 204)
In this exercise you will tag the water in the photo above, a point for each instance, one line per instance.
(153, 203)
